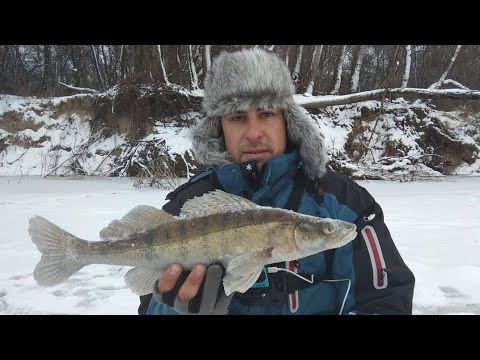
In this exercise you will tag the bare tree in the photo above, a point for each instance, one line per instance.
(207, 59)
(77, 63)
(445, 73)
(408, 61)
(39, 69)
(358, 65)
(296, 70)
(47, 69)
(162, 65)
(314, 102)
(97, 67)
(123, 63)
(339, 70)
(290, 56)
(193, 70)
(315, 68)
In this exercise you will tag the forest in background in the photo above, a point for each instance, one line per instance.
(386, 111)
(58, 70)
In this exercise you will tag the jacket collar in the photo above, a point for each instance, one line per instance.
(244, 180)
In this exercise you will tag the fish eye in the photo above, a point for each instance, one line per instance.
(328, 229)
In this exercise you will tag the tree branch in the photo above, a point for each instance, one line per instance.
(79, 89)
(312, 102)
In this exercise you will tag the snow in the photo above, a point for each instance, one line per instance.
(433, 223)
(82, 206)
(178, 139)
(466, 169)
(59, 141)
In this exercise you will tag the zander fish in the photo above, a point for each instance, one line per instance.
(216, 227)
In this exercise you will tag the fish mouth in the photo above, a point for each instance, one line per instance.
(347, 236)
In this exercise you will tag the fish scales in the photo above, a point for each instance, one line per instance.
(190, 241)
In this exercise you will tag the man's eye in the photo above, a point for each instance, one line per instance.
(236, 118)
(267, 114)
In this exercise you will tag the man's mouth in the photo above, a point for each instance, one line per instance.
(255, 151)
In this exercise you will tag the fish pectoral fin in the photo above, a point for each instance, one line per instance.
(243, 271)
(241, 282)
(140, 280)
(138, 220)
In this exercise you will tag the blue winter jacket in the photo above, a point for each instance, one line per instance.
(366, 276)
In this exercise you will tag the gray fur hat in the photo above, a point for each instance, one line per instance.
(254, 77)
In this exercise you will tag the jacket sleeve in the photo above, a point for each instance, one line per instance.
(197, 186)
(383, 283)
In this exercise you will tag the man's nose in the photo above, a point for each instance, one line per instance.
(254, 130)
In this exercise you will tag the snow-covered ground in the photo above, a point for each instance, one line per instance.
(37, 138)
(435, 225)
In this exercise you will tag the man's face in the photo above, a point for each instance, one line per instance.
(255, 135)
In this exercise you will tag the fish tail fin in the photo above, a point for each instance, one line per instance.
(58, 260)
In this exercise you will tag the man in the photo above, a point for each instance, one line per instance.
(263, 146)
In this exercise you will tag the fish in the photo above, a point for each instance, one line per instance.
(217, 227)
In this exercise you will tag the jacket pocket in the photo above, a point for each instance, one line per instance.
(379, 269)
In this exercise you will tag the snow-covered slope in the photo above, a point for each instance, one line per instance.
(66, 136)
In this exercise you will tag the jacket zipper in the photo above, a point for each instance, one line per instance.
(380, 275)
(293, 297)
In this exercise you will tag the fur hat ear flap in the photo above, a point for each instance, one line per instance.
(209, 144)
(305, 134)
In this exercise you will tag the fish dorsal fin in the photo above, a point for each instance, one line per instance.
(215, 202)
(138, 220)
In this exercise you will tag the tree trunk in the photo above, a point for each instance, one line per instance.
(178, 58)
(193, 71)
(47, 70)
(356, 72)
(338, 80)
(314, 102)
(207, 59)
(408, 61)
(123, 71)
(162, 65)
(444, 75)
(97, 67)
(106, 56)
(76, 62)
(290, 56)
(315, 68)
(296, 70)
